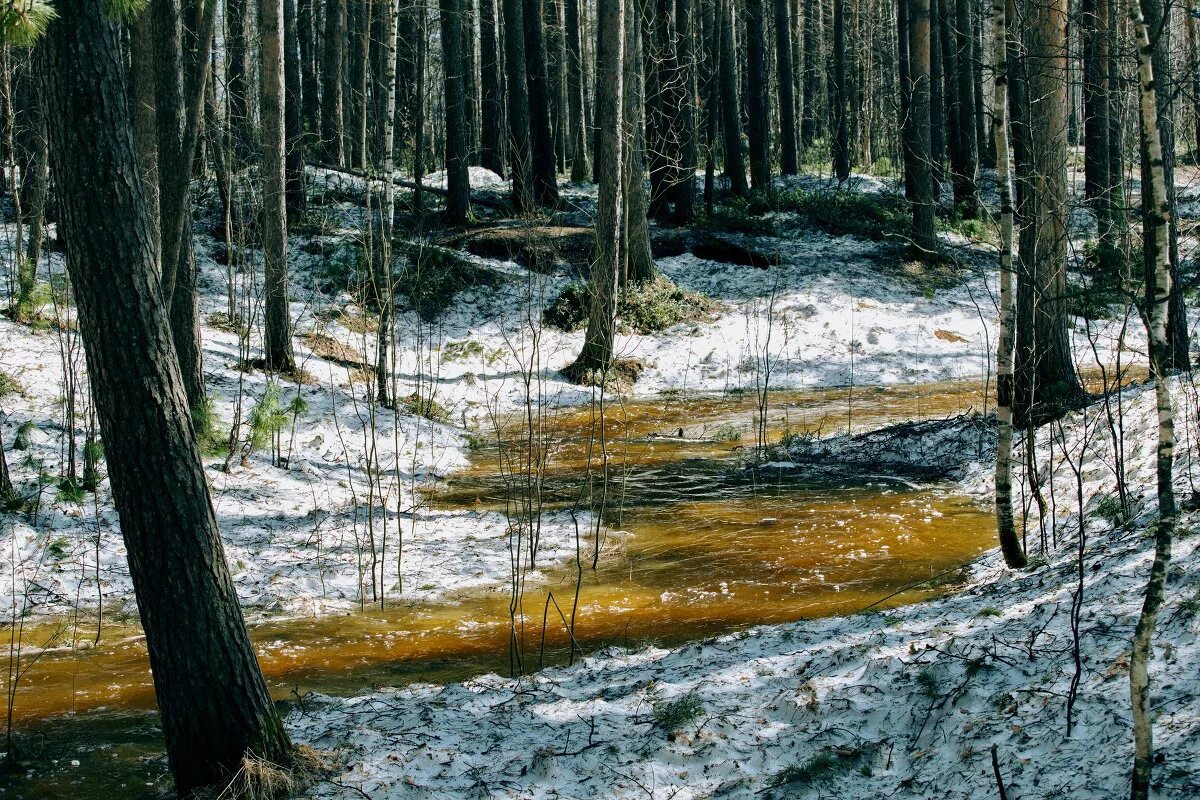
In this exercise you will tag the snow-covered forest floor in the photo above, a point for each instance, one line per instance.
(905, 702)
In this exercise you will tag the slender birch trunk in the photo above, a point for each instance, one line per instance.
(1010, 544)
(386, 210)
(1157, 218)
(277, 335)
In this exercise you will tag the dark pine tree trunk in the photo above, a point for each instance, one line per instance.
(239, 89)
(814, 76)
(966, 192)
(297, 202)
(937, 105)
(333, 84)
(904, 73)
(841, 122)
(458, 182)
(517, 83)
(757, 108)
(636, 258)
(712, 100)
(181, 76)
(576, 81)
(789, 163)
(545, 179)
(731, 123)
(213, 701)
(1094, 19)
(35, 184)
(943, 30)
(310, 91)
(492, 148)
(471, 82)
(657, 54)
(683, 192)
(359, 52)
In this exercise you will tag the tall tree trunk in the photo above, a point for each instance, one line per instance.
(841, 140)
(758, 110)
(1193, 44)
(789, 163)
(418, 103)
(212, 699)
(1156, 214)
(545, 179)
(333, 84)
(924, 237)
(36, 185)
(904, 71)
(471, 82)
(966, 190)
(297, 199)
(1010, 543)
(1046, 381)
(657, 34)
(458, 180)
(306, 31)
(683, 191)
(943, 27)
(731, 124)
(174, 165)
(517, 83)
(712, 100)
(143, 117)
(597, 354)
(636, 258)
(1177, 332)
(556, 78)
(492, 101)
(576, 77)
(181, 78)
(239, 89)
(357, 95)
(384, 211)
(1098, 187)
(814, 75)
(277, 333)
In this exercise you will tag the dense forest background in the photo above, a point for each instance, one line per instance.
(1046, 142)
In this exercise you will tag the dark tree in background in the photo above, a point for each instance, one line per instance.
(731, 125)
(492, 132)
(458, 181)
(924, 237)
(517, 87)
(785, 78)
(545, 180)
(757, 110)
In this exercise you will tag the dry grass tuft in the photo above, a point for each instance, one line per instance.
(260, 779)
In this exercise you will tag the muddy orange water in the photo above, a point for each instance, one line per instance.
(697, 542)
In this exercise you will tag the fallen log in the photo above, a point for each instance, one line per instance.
(490, 202)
